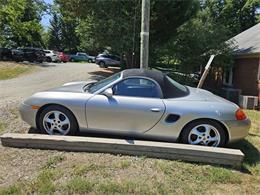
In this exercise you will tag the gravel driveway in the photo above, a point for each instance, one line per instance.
(48, 76)
(14, 91)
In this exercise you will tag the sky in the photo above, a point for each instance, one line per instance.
(46, 18)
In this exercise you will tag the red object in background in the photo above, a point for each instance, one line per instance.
(63, 57)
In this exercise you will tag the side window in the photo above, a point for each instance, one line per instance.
(137, 87)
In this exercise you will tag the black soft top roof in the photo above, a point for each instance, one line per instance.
(168, 88)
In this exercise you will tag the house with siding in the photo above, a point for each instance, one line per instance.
(243, 79)
(245, 74)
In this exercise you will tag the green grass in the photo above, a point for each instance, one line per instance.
(255, 119)
(53, 161)
(2, 126)
(78, 185)
(12, 70)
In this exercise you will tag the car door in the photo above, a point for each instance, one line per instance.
(136, 107)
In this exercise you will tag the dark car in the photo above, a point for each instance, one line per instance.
(5, 54)
(29, 54)
(105, 60)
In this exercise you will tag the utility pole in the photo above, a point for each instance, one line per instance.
(144, 50)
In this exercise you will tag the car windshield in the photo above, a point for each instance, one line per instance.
(100, 84)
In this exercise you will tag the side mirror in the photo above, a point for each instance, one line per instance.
(108, 92)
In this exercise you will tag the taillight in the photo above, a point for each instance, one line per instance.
(240, 115)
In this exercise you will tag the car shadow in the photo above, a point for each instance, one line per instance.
(44, 64)
(105, 72)
(252, 154)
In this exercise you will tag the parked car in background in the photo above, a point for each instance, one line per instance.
(63, 57)
(52, 56)
(82, 57)
(105, 60)
(29, 54)
(17, 55)
(5, 54)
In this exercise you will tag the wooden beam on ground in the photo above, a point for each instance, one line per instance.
(163, 150)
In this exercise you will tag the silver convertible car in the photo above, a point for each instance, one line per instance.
(140, 104)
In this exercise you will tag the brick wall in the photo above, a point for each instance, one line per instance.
(245, 75)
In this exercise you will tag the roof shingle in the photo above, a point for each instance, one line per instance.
(248, 41)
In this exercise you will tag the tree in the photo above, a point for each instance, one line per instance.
(69, 39)
(54, 33)
(20, 23)
(118, 27)
(235, 15)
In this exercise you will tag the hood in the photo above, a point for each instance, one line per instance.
(76, 87)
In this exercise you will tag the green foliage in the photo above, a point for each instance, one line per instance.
(235, 15)
(115, 24)
(20, 23)
(54, 34)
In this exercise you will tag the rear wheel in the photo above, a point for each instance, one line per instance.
(204, 132)
(72, 60)
(57, 120)
(102, 64)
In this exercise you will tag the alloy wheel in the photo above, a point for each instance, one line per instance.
(204, 134)
(56, 122)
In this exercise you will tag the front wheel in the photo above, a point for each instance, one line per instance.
(57, 120)
(49, 59)
(204, 132)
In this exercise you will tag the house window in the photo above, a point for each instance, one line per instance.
(228, 77)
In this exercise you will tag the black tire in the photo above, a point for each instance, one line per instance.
(102, 64)
(49, 59)
(72, 60)
(184, 138)
(89, 61)
(73, 129)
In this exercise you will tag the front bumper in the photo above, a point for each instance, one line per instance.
(238, 129)
(28, 114)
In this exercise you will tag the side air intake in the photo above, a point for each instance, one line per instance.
(171, 118)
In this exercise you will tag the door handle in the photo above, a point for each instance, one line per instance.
(155, 109)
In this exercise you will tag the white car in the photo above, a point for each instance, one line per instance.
(52, 56)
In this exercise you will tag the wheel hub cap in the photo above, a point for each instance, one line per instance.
(56, 122)
(204, 134)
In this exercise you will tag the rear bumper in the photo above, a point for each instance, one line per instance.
(238, 129)
(28, 114)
